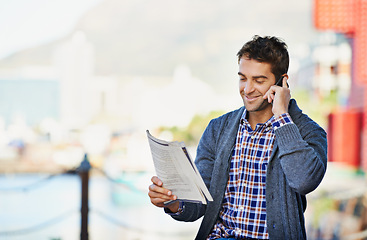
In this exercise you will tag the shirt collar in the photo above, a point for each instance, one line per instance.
(244, 117)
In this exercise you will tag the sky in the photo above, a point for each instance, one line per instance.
(28, 23)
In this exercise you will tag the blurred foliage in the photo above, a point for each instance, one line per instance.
(192, 133)
(320, 207)
(316, 106)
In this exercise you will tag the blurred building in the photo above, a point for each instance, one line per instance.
(74, 64)
(347, 127)
(77, 111)
(333, 58)
(29, 99)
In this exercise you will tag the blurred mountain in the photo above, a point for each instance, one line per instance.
(150, 38)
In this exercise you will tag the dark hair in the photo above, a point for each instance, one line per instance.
(267, 49)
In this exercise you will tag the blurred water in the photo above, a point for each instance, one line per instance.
(116, 211)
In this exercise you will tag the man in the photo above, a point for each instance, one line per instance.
(259, 161)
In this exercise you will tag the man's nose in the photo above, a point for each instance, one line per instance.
(249, 87)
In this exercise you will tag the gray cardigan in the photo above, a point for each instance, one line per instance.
(296, 167)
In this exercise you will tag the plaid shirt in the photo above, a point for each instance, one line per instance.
(243, 212)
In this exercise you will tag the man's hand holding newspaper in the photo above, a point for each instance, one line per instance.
(178, 178)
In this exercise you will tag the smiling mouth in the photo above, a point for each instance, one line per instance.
(251, 98)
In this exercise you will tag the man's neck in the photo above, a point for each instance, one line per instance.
(258, 117)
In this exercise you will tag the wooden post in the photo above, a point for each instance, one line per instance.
(83, 170)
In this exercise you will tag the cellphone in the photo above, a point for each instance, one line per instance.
(280, 81)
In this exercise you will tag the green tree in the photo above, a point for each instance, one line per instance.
(192, 132)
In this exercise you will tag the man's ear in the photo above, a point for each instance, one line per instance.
(286, 76)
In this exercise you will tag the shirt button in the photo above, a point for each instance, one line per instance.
(275, 128)
(242, 208)
(252, 137)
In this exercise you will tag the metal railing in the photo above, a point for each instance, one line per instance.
(84, 173)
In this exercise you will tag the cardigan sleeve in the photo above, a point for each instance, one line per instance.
(303, 154)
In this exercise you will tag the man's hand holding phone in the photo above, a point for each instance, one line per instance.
(279, 95)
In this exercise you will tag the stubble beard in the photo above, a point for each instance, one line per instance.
(258, 107)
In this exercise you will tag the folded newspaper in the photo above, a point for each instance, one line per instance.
(177, 171)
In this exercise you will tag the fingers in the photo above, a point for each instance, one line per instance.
(270, 94)
(155, 180)
(281, 97)
(159, 199)
(285, 79)
(159, 195)
(271, 98)
(159, 189)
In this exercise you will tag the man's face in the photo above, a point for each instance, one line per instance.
(255, 80)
